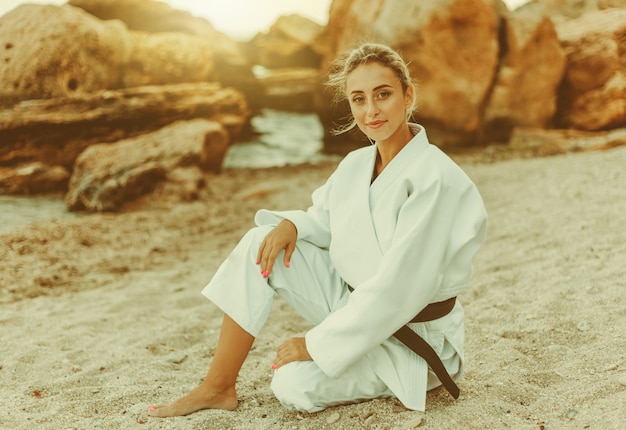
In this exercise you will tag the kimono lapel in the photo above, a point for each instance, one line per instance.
(354, 236)
(400, 163)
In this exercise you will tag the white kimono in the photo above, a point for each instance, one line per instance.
(402, 242)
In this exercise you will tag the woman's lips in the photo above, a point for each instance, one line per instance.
(375, 124)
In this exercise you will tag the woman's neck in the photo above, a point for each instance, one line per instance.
(389, 148)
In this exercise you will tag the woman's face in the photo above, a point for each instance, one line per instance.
(377, 101)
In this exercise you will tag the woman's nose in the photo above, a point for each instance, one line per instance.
(372, 109)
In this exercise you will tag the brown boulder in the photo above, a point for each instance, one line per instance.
(289, 43)
(167, 58)
(525, 90)
(107, 176)
(564, 10)
(146, 15)
(593, 94)
(290, 89)
(51, 51)
(231, 67)
(33, 178)
(452, 47)
(56, 131)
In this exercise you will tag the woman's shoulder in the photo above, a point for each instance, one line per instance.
(434, 166)
(358, 156)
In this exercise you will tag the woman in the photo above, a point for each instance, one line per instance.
(392, 232)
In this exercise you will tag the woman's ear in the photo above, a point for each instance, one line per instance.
(409, 95)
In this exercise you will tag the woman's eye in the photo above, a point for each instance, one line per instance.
(357, 99)
(383, 94)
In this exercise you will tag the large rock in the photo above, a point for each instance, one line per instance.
(33, 178)
(231, 67)
(289, 43)
(107, 176)
(146, 15)
(56, 51)
(55, 131)
(51, 51)
(564, 10)
(593, 94)
(290, 89)
(452, 46)
(168, 58)
(525, 91)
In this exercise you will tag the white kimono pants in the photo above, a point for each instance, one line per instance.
(314, 289)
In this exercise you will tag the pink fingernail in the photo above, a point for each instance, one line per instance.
(151, 408)
(274, 367)
(266, 274)
(288, 264)
(257, 262)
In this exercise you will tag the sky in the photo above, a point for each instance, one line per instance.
(240, 19)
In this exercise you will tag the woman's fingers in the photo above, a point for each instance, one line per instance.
(288, 253)
(282, 237)
(259, 255)
(292, 350)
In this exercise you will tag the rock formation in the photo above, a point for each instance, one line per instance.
(55, 131)
(51, 51)
(452, 46)
(593, 92)
(106, 176)
(564, 10)
(289, 43)
(529, 74)
(231, 67)
(100, 71)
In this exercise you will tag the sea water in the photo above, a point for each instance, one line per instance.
(281, 138)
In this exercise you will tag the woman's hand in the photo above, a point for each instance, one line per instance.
(282, 237)
(292, 350)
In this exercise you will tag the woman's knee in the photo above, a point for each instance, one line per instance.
(294, 386)
(257, 234)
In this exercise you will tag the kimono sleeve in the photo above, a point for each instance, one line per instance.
(313, 225)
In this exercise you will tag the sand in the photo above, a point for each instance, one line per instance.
(102, 315)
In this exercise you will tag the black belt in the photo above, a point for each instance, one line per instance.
(419, 346)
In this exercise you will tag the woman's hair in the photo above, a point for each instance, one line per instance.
(365, 54)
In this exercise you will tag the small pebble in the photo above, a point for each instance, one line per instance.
(622, 380)
(177, 359)
(583, 326)
(333, 418)
(571, 413)
(138, 408)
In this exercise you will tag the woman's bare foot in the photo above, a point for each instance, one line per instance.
(197, 399)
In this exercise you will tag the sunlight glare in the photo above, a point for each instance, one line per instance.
(245, 18)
